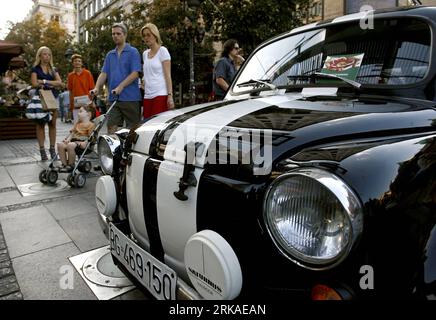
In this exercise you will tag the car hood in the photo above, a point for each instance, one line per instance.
(248, 131)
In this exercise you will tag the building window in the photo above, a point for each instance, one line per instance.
(353, 6)
(316, 9)
(55, 17)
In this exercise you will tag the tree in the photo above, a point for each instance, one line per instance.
(168, 15)
(58, 40)
(253, 22)
(99, 40)
(37, 32)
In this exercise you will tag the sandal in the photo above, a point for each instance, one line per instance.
(52, 152)
(43, 154)
(66, 168)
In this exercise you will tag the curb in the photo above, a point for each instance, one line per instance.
(9, 288)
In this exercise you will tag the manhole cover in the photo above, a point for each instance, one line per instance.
(97, 270)
(32, 189)
(100, 269)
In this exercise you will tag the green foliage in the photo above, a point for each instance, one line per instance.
(168, 16)
(37, 32)
(2, 88)
(252, 22)
(7, 112)
(99, 41)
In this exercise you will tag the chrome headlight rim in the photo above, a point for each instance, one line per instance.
(112, 144)
(342, 192)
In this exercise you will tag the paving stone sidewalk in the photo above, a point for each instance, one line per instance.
(9, 288)
(38, 232)
(16, 158)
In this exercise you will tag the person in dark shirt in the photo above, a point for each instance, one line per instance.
(225, 68)
(44, 76)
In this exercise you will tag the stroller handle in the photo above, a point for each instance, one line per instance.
(113, 104)
(94, 96)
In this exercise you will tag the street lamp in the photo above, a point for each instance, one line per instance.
(196, 31)
(69, 53)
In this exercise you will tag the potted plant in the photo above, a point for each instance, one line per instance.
(13, 123)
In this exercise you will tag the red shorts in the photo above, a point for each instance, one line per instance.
(155, 106)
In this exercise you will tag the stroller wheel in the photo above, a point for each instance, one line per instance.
(80, 180)
(85, 166)
(70, 180)
(43, 176)
(52, 177)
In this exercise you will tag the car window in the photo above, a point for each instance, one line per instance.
(266, 63)
(395, 52)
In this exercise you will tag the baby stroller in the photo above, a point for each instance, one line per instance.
(77, 177)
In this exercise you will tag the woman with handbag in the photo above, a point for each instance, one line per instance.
(45, 77)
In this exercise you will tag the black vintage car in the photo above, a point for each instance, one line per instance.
(315, 178)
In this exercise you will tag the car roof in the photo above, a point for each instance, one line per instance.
(417, 12)
(423, 11)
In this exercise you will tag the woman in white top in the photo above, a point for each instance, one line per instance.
(158, 93)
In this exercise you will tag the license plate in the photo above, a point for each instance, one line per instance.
(157, 277)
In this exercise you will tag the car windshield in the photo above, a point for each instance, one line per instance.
(394, 52)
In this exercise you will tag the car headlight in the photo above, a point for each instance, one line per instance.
(313, 217)
(107, 146)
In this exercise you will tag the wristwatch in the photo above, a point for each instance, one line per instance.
(170, 93)
(44, 81)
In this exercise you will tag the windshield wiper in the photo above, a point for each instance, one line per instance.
(315, 75)
(253, 82)
(355, 84)
(296, 50)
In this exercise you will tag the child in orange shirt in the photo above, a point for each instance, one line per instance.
(77, 139)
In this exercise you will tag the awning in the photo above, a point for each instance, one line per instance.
(8, 50)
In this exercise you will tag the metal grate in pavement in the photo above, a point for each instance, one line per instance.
(32, 189)
(104, 278)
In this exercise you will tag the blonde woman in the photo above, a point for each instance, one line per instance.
(158, 87)
(44, 76)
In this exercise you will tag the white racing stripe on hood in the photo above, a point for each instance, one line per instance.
(148, 130)
(205, 126)
(177, 219)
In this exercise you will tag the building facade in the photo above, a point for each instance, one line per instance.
(72, 14)
(63, 11)
(89, 10)
(328, 9)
